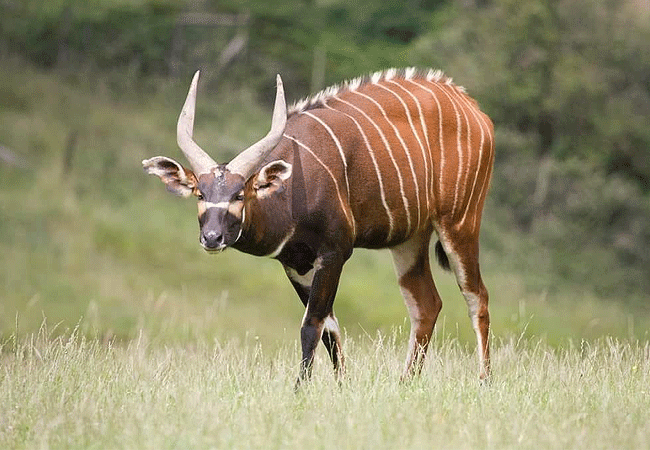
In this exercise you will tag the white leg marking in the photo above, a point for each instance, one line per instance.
(401, 140)
(472, 308)
(391, 219)
(404, 257)
(331, 325)
(392, 158)
(346, 210)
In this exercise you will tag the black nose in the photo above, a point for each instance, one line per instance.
(211, 239)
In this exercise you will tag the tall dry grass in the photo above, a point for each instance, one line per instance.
(72, 393)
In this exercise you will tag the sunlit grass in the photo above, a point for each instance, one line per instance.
(70, 392)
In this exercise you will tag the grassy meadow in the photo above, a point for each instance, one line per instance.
(73, 393)
(118, 331)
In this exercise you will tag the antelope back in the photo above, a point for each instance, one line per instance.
(396, 152)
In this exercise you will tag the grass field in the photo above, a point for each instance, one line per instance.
(73, 393)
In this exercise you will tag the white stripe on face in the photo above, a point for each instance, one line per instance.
(221, 205)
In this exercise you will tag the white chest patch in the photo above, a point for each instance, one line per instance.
(304, 280)
(279, 248)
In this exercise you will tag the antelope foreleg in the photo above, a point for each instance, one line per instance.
(318, 313)
(331, 335)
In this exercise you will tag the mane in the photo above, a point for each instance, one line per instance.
(411, 73)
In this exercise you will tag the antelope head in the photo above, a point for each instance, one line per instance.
(222, 189)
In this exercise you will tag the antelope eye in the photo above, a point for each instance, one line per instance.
(200, 197)
(239, 197)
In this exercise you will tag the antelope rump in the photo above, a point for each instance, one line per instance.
(379, 162)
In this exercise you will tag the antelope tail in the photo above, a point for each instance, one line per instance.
(441, 256)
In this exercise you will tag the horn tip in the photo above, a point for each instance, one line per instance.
(195, 79)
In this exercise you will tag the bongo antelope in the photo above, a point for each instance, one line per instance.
(382, 161)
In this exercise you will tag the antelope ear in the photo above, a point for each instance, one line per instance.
(276, 171)
(270, 178)
(178, 179)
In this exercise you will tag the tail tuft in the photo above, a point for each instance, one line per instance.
(442, 258)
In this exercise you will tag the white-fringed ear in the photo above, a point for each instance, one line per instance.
(276, 169)
(178, 179)
(270, 178)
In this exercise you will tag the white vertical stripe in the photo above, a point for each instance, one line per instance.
(392, 157)
(338, 147)
(488, 171)
(425, 131)
(485, 133)
(458, 143)
(441, 140)
(417, 137)
(472, 109)
(463, 168)
(399, 137)
(391, 219)
(486, 180)
(470, 154)
(346, 210)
